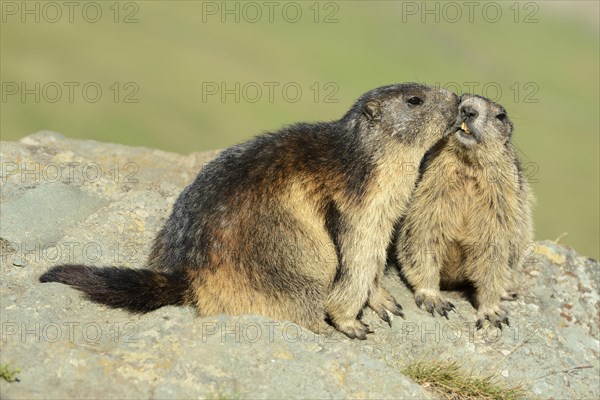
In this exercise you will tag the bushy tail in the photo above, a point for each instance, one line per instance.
(136, 290)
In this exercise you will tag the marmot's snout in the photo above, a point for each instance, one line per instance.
(468, 112)
(467, 115)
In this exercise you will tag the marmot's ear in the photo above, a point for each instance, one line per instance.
(372, 110)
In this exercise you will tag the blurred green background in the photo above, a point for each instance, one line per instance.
(160, 66)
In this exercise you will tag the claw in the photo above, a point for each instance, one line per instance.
(445, 314)
(429, 307)
(479, 324)
(506, 321)
(367, 328)
(419, 300)
(452, 308)
(386, 318)
(397, 312)
(397, 309)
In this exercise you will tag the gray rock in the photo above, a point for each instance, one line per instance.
(68, 347)
(54, 206)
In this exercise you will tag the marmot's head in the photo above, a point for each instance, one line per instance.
(482, 123)
(414, 114)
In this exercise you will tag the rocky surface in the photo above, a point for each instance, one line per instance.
(82, 201)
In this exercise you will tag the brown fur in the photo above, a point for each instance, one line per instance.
(294, 225)
(470, 217)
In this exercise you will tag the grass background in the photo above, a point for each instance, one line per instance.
(549, 51)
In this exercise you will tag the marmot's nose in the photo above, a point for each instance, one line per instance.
(468, 112)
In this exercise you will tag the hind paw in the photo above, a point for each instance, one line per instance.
(383, 303)
(355, 329)
(432, 302)
(497, 315)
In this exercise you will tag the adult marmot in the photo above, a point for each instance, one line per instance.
(291, 225)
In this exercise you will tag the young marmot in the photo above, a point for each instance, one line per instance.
(469, 219)
(291, 225)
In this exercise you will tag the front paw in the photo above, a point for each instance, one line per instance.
(496, 314)
(355, 329)
(433, 302)
(382, 302)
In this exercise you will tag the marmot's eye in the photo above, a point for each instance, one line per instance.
(501, 116)
(415, 101)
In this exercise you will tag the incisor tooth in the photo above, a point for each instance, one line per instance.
(464, 127)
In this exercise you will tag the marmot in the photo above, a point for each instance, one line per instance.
(469, 219)
(291, 225)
